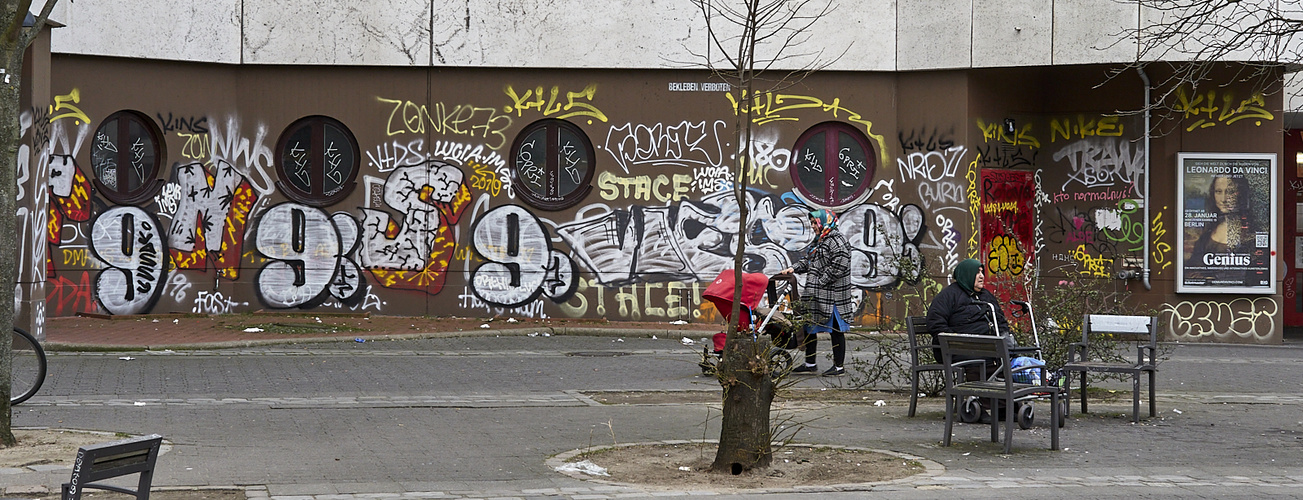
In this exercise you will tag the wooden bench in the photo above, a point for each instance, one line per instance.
(115, 459)
(999, 389)
(1081, 359)
(922, 347)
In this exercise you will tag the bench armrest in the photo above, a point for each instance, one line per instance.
(1073, 348)
(958, 368)
(1144, 360)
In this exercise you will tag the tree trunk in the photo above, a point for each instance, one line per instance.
(14, 39)
(11, 56)
(745, 436)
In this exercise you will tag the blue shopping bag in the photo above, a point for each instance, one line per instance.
(1032, 376)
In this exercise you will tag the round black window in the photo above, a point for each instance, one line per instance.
(552, 164)
(317, 161)
(125, 156)
(832, 164)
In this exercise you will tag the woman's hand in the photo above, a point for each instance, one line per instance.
(786, 271)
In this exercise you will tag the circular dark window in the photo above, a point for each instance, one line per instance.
(552, 164)
(125, 156)
(832, 164)
(317, 159)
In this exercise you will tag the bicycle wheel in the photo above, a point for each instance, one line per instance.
(28, 367)
(780, 362)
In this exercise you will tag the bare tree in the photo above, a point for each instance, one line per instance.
(747, 41)
(1200, 42)
(13, 47)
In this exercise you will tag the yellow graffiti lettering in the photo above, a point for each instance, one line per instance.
(62, 103)
(484, 178)
(767, 107)
(974, 206)
(1084, 127)
(533, 99)
(196, 146)
(1090, 265)
(1001, 206)
(1208, 113)
(642, 187)
(76, 256)
(407, 117)
(1161, 248)
(1021, 136)
(1004, 256)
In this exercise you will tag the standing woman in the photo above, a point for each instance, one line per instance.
(826, 298)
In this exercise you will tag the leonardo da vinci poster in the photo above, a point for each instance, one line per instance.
(1227, 214)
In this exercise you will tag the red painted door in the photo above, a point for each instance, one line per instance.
(1292, 233)
(1008, 244)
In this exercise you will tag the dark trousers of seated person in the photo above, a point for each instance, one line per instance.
(974, 371)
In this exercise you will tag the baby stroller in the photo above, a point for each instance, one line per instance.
(971, 410)
(780, 291)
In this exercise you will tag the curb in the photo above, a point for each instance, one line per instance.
(570, 331)
(930, 469)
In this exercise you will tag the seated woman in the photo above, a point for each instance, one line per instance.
(962, 307)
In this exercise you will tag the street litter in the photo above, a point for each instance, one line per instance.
(618, 340)
(653, 337)
(535, 334)
(126, 358)
(155, 321)
(685, 468)
(586, 467)
(176, 321)
(679, 322)
(686, 341)
(139, 403)
(880, 403)
(1178, 412)
(511, 320)
(486, 325)
(318, 319)
(252, 329)
(359, 339)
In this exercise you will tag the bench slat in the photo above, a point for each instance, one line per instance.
(1106, 323)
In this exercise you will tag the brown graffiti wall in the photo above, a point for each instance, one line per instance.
(177, 187)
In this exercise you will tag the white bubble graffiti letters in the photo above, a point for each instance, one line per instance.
(521, 262)
(309, 256)
(129, 242)
(406, 192)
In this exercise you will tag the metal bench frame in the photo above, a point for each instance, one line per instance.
(114, 459)
(1142, 328)
(917, 329)
(1001, 388)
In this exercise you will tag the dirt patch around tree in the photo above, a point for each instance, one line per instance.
(685, 467)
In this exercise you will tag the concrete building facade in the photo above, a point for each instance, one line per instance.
(573, 159)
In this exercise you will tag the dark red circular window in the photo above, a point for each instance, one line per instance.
(552, 164)
(317, 161)
(832, 164)
(125, 157)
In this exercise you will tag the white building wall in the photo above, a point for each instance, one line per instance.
(869, 35)
(1013, 33)
(1088, 31)
(934, 34)
(186, 30)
